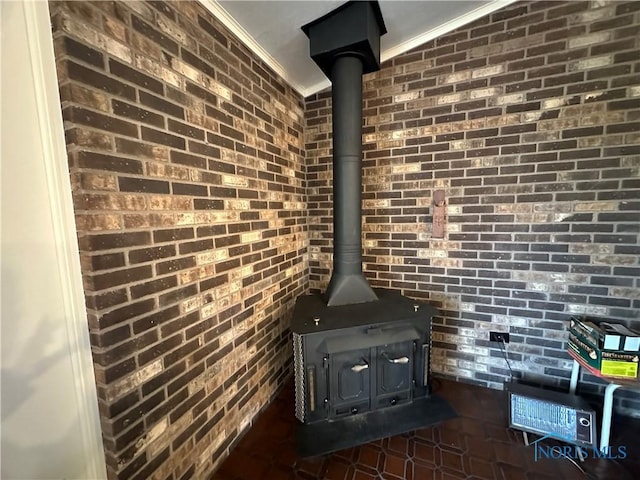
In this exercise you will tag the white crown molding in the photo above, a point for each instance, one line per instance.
(43, 69)
(443, 29)
(245, 37)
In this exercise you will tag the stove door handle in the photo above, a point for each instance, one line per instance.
(400, 360)
(359, 368)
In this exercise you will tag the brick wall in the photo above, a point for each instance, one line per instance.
(529, 119)
(186, 160)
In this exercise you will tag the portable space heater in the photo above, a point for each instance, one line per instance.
(563, 416)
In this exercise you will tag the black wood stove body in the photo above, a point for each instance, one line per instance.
(361, 357)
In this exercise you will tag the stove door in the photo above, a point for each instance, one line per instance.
(394, 374)
(350, 374)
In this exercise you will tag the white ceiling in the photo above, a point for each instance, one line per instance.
(272, 29)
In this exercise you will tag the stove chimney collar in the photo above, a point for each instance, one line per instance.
(354, 29)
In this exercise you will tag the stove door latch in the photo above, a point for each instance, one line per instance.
(359, 368)
(400, 360)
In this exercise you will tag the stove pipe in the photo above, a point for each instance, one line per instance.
(345, 44)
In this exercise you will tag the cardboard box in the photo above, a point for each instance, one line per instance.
(609, 363)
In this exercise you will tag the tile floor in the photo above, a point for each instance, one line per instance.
(476, 445)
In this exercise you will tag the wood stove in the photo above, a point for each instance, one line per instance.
(362, 371)
(361, 357)
(358, 358)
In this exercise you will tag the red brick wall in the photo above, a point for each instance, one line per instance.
(186, 160)
(529, 119)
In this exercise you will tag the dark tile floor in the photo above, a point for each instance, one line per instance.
(476, 445)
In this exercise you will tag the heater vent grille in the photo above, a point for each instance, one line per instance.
(298, 369)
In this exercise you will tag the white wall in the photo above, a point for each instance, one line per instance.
(50, 423)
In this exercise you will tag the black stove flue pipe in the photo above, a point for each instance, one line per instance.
(348, 284)
(345, 44)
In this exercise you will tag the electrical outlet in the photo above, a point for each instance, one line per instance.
(499, 337)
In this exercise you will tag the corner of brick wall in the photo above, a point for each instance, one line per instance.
(529, 120)
(187, 169)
